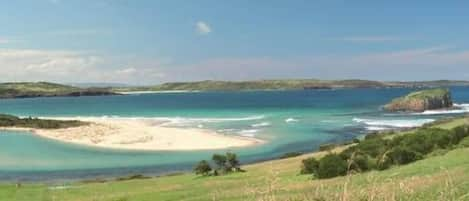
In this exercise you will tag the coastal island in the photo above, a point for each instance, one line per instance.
(420, 101)
(122, 133)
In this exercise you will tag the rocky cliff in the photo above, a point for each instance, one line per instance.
(419, 101)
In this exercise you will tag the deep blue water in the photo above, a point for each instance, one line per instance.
(287, 120)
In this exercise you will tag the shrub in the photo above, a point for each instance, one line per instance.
(373, 146)
(310, 166)
(383, 162)
(402, 155)
(331, 165)
(360, 162)
(202, 168)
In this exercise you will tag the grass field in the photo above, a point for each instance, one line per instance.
(444, 176)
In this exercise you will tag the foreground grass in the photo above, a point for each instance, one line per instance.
(441, 177)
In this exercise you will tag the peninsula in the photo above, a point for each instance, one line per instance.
(122, 133)
(47, 89)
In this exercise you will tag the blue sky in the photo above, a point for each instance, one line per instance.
(148, 42)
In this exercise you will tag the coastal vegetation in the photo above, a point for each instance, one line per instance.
(381, 152)
(292, 84)
(422, 100)
(225, 164)
(47, 89)
(10, 121)
(440, 175)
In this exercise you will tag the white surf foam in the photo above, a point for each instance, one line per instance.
(376, 128)
(291, 120)
(168, 120)
(248, 132)
(458, 109)
(262, 124)
(393, 123)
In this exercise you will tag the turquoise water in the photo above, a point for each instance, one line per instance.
(287, 120)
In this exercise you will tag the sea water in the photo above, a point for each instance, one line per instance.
(289, 121)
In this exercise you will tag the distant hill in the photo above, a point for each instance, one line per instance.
(210, 85)
(46, 89)
(98, 84)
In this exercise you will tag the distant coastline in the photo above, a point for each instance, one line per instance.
(47, 89)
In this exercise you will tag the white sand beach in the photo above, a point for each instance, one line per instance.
(138, 134)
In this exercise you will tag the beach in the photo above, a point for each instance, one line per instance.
(139, 134)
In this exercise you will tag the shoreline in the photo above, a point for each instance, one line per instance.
(139, 135)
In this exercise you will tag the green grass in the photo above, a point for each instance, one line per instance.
(440, 177)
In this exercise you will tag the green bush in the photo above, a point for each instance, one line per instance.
(373, 146)
(383, 162)
(331, 165)
(403, 155)
(309, 166)
(360, 162)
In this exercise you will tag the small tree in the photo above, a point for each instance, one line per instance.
(220, 161)
(232, 162)
(202, 168)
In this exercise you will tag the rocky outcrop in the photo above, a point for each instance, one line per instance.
(420, 101)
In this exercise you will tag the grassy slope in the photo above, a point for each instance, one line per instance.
(444, 177)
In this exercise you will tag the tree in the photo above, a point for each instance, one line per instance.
(232, 162)
(202, 168)
(220, 161)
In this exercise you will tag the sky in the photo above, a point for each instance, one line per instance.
(143, 42)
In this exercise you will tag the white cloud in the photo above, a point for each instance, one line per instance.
(369, 39)
(202, 28)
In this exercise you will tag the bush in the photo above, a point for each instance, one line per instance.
(403, 155)
(202, 168)
(331, 165)
(310, 166)
(373, 146)
(360, 162)
(383, 162)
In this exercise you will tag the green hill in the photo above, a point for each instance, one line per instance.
(46, 89)
(441, 176)
(210, 85)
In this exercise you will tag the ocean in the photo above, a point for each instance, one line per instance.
(289, 121)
